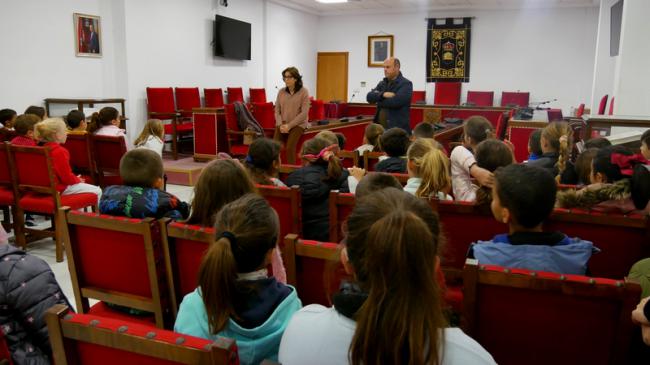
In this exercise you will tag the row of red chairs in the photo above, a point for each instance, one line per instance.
(96, 158)
(448, 93)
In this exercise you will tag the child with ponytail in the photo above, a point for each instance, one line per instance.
(476, 129)
(106, 122)
(52, 133)
(557, 142)
(321, 174)
(391, 312)
(263, 162)
(151, 136)
(235, 297)
(428, 169)
(620, 181)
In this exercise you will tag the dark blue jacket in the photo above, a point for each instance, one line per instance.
(399, 106)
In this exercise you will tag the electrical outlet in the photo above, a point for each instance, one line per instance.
(363, 84)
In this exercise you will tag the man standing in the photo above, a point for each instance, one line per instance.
(93, 41)
(393, 97)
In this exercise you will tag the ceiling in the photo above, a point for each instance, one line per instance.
(391, 6)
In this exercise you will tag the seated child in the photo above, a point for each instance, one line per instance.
(141, 195)
(24, 128)
(76, 121)
(523, 197)
(7, 118)
(620, 181)
(394, 142)
(423, 130)
(476, 129)
(263, 162)
(371, 138)
(583, 166)
(374, 181)
(235, 298)
(321, 174)
(151, 136)
(556, 141)
(38, 111)
(645, 144)
(428, 169)
(598, 142)
(535, 145)
(490, 155)
(52, 133)
(28, 289)
(106, 122)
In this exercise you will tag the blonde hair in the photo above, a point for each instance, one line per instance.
(431, 164)
(559, 136)
(48, 129)
(153, 127)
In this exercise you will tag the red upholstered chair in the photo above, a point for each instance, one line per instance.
(7, 134)
(602, 105)
(118, 260)
(257, 95)
(81, 158)
(35, 189)
(317, 110)
(7, 201)
(235, 94)
(160, 105)
(370, 159)
(187, 98)
(91, 339)
(510, 98)
(418, 95)
(502, 126)
(107, 152)
(213, 98)
(580, 111)
(287, 203)
(555, 115)
(402, 178)
(236, 146)
(340, 206)
(447, 93)
(185, 246)
(349, 158)
(611, 106)
(480, 98)
(525, 317)
(264, 113)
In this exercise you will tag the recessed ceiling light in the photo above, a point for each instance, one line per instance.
(332, 1)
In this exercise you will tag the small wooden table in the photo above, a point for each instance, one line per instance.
(80, 102)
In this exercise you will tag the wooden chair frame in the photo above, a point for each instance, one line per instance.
(120, 224)
(368, 155)
(335, 201)
(352, 155)
(57, 230)
(63, 332)
(294, 247)
(104, 172)
(293, 194)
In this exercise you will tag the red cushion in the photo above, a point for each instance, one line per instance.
(160, 100)
(40, 203)
(213, 98)
(6, 196)
(515, 98)
(103, 310)
(187, 98)
(480, 98)
(418, 95)
(447, 93)
(238, 150)
(180, 127)
(235, 94)
(602, 105)
(188, 254)
(257, 95)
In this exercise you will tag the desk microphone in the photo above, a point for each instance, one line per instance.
(352, 97)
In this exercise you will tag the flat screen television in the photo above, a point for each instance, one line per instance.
(232, 38)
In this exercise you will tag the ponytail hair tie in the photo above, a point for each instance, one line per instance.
(231, 238)
(333, 148)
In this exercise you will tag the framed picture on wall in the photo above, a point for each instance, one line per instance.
(87, 35)
(380, 47)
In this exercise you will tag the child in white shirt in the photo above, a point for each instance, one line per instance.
(151, 136)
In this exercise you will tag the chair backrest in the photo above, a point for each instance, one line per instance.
(447, 93)
(185, 247)
(231, 117)
(611, 106)
(314, 268)
(317, 110)
(524, 317)
(257, 95)
(160, 100)
(187, 98)
(510, 98)
(502, 123)
(7, 134)
(235, 94)
(480, 98)
(349, 158)
(80, 153)
(213, 98)
(264, 114)
(108, 151)
(285, 170)
(5, 171)
(89, 339)
(33, 169)
(370, 159)
(340, 207)
(418, 95)
(402, 178)
(602, 105)
(555, 115)
(581, 110)
(287, 203)
(118, 260)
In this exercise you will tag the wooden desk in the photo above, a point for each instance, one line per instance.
(80, 102)
(593, 122)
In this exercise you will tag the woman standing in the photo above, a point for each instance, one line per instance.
(291, 106)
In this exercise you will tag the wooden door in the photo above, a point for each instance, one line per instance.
(332, 78)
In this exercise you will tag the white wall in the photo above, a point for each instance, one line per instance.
(549, 52)
(605, 65)
(38, 56)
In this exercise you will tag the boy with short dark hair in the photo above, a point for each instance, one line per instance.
(374, 181)
(76, 121)
(141, 195)
(394, 142)
(423, 130)
(599, 142)
(24, 128)
(38, 111)
(523, 197)
(7, 118)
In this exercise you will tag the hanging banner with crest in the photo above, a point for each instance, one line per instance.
(448, 44)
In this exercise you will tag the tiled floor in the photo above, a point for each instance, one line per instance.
(45, 248)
